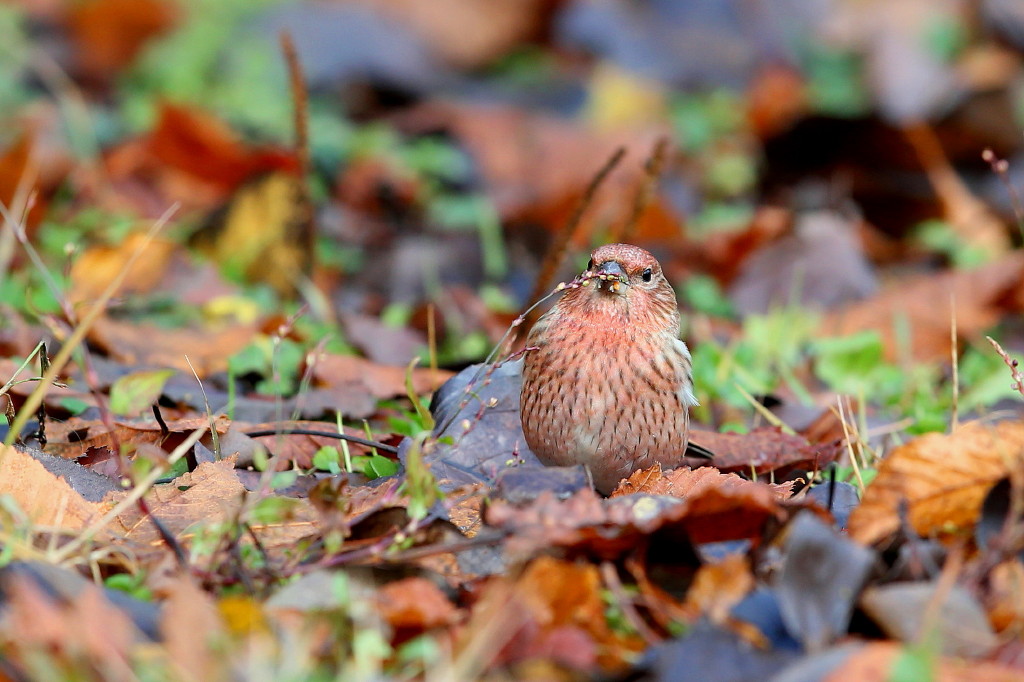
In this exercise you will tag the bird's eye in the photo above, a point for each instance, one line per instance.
(646, 275)
(590, 264)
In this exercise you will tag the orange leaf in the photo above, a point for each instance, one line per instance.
(942, 478)
(414, 603)
(206, 148)
(47, 499)
(922, 304)
(110, 33)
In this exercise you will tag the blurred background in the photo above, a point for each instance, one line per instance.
(814, 154)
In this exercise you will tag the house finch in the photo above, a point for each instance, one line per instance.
(608, 384)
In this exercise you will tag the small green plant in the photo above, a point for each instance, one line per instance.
(133, 584)
(420, 484)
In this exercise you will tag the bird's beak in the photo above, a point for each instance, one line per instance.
(611, 274)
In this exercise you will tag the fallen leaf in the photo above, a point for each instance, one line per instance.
(554, 610)
(922, 305)
(200, 145)
(718, 587)
(15, 162)
(110, 33)
(721, 507)
(134, 393)
(537, 167)
(298, 450)
(1005, 597)
(86, 626)
(95, 269)
(822, 574)
(776, 99)
(135, 343)
(191, 627)
(74, 437)
(718, 506)
(942, 478)
(958, 627)
(46, 499)
(765, 450)
(414, 604)
(210, 493)
(262, 231)
(351, 373)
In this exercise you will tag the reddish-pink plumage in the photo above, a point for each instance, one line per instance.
(609, 383)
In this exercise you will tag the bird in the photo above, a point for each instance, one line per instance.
(607, 382)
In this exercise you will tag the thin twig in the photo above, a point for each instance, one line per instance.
(1001, 167)
(1013, 364)
(323, 434)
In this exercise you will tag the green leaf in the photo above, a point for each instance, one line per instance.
(136, 392)
(272, 509)
(328, 458)
(75, 406)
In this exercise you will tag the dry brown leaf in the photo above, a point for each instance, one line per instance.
(382, 381)
(764, 450)
(1005, 599)
(200, 145)
(718, 587)
(71, 438)
(692, 484)
(414, 604)
(85, 628)
(14, 163)
(942, 478)
(875, 663)
(48, 500)
(564, 607)
(110, 33)
(923, 305)
(191, 625)
(298, 450)
(133, 343)
(718, 506)
(95, 269)
(974, 222)
(537, 167)
(211, 492)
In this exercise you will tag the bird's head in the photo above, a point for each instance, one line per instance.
(623, 270)
(623, 280)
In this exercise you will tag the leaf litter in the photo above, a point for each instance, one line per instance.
(239, 471)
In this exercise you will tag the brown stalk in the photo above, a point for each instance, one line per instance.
(556, 252)
(653, 168)
(300, 98)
